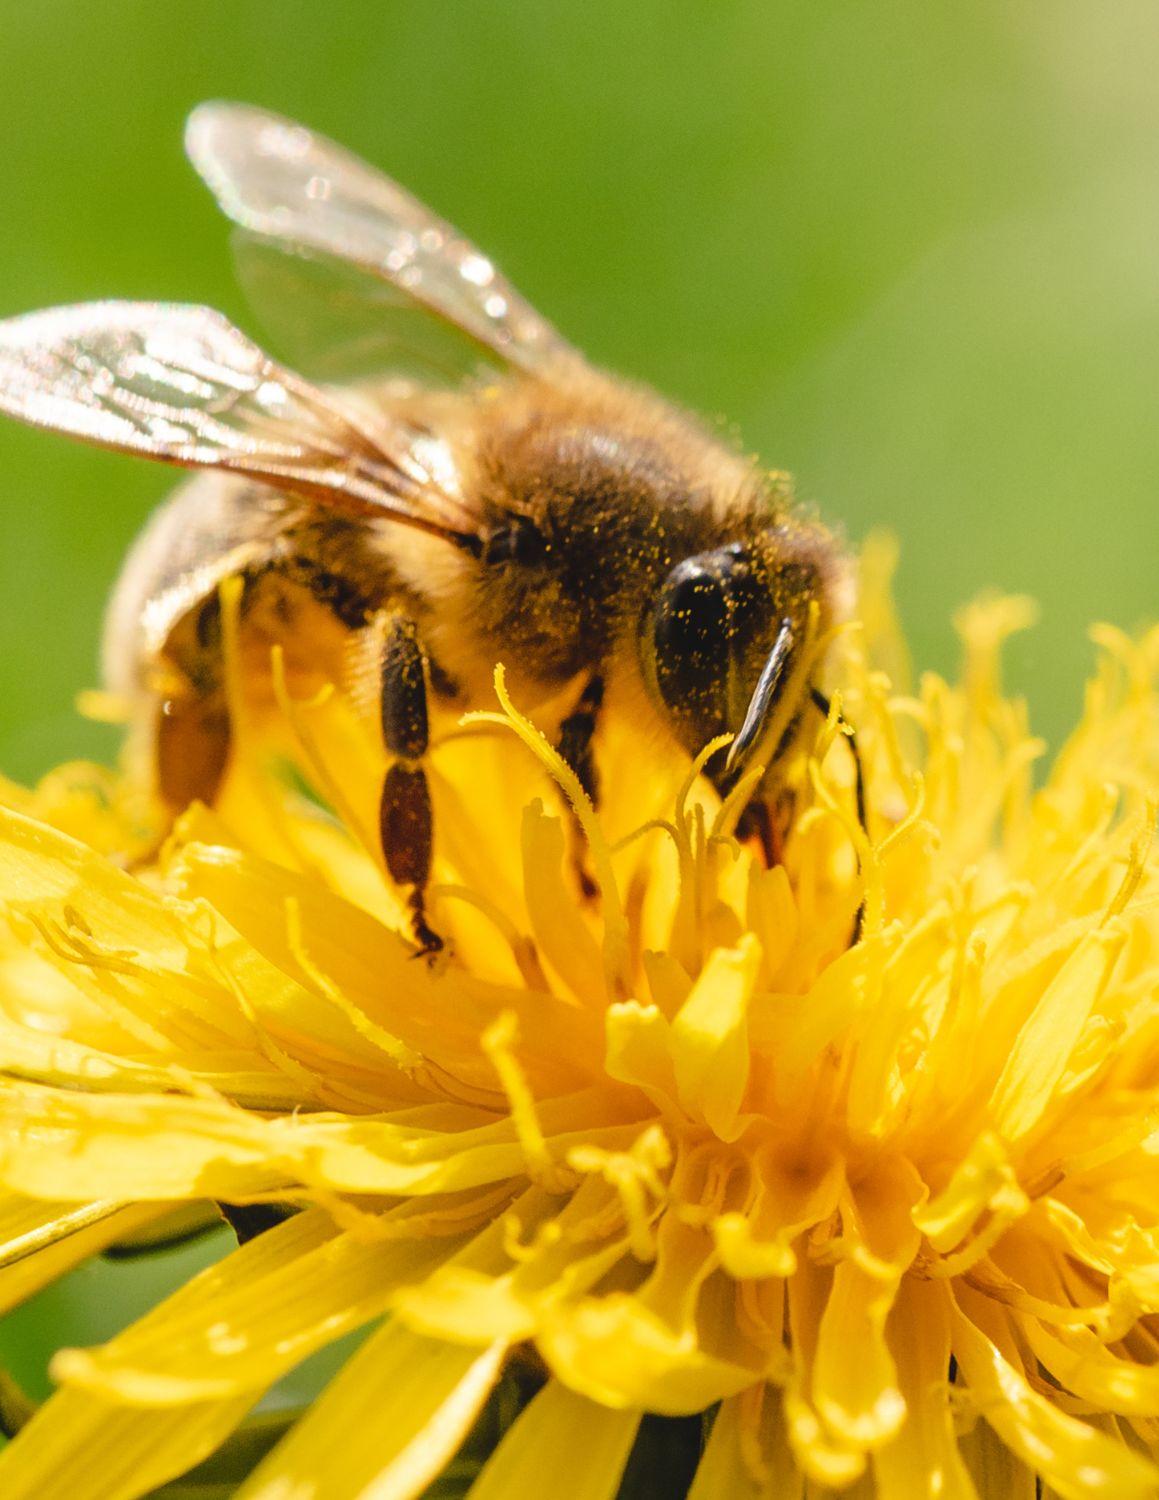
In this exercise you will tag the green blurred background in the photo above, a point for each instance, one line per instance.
(909, 249)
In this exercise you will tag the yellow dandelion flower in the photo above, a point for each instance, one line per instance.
(713, 1178)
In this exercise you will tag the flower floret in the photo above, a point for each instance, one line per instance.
(854, 1154)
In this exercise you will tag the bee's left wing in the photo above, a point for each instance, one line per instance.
(182, 385)
(305, 195)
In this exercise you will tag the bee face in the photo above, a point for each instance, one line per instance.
(722, 641)
(585, 512)
(615, 539)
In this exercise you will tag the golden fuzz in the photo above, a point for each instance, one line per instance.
(892, 1203)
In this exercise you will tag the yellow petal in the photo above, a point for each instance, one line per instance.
(922, 1461)
(54, 1144)
(499, 1288)
(563, 939)
(796, 1030)
(1082, 1364)
(857, 1397)
(710, 1044)
(385, 1426)
(747, 1455)
(722, 1469)
(114, 936)
(823, 1456)
(87, 1449)
(1078, 1461)
(992, 1467)
(792, 1197)
(877, 1217)
(982, 1181)
(736, 1463)
(39, 1242)
(243, 1322)
(668, 981)
(773, 916)
(562, 1445)
(619, 1353)
(28, 1226)
(39, 1057)
(438, 1012)
(1044, 1045)
(640, 1051)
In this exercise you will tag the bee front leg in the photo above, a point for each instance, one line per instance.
(574, 744)
(192, 734)
(192, 749)
(405, 820)
(767, 826)
(576, 734)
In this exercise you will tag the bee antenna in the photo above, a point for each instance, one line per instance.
(466, 541)
(763, 699)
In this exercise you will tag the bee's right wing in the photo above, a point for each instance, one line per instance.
(309, 198)
(182, 385)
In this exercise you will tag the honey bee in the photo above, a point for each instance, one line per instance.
(536, 511)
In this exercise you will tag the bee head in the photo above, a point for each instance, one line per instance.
(721, 646)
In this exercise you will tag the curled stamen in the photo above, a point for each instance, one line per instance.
(498, 1042)
(695, 770)
(634, 1174)
(523, 949)
(735, 803)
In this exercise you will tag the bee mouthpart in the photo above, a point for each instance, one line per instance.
(763, 700)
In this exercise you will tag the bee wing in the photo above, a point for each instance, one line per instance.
(182, 385)
(340, 325)
(284, 183)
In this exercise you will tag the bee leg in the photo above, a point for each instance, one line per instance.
(192, 745)
(248, 1220)
(192, 750)
(757, 822)
(193, 734)
(405, 821)
(576, 734)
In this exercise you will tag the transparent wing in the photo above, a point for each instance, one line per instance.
(182, 385)
(342, 326)
(302, 191)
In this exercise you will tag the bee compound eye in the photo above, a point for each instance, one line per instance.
(689, 649)
(690, 617)
(707, 628)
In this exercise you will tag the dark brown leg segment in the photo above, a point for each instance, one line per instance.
(575, 745)
(757, 822)
(406, 824)
(193, 743)
(576, 734)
